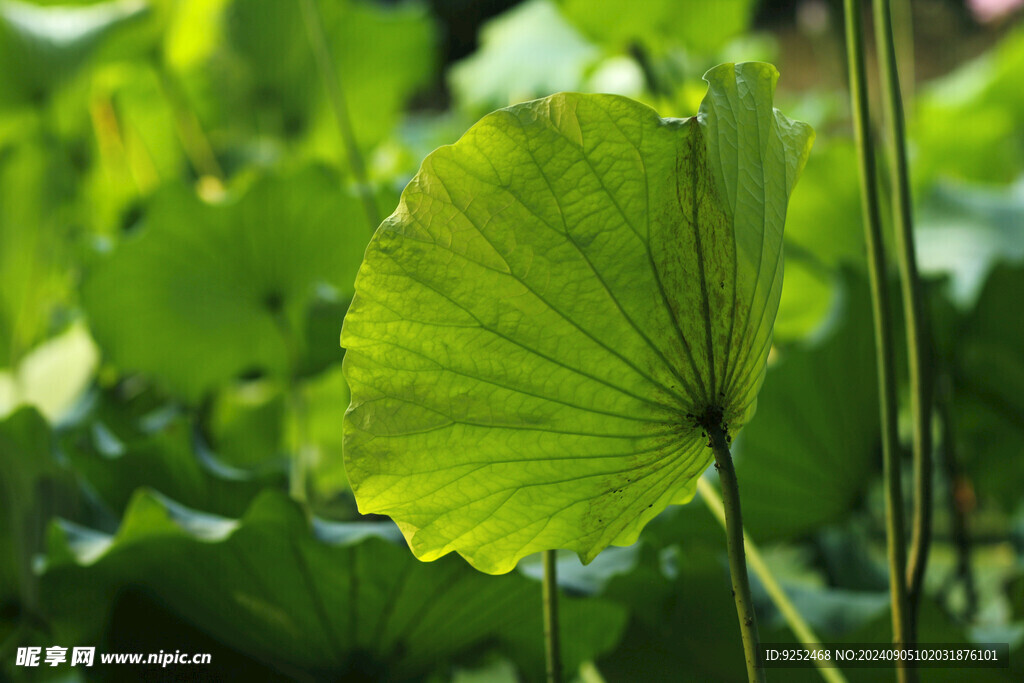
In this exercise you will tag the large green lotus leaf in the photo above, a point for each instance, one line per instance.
(811, 452)
(320, 601)
(699, 26)
(560, 299)
(206, 292)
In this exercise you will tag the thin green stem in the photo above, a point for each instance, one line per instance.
(336, 94)
(883, 334)
(737, 557)
(552, 645)
(193, 138)
(916, 330)
(801, 629)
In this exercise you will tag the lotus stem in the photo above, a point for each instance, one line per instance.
(737, 556)
(801, 629)
(913, 310)
(896, 542)
(194, 140)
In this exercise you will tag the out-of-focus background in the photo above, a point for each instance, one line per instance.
(186, 190)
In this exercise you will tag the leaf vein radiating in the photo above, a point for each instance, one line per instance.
(653, 468)
(654, 268)
(668, 390)
(543, 521)
(746, 350)
(430, 492)
(590, 264)
(561, 302)
(618, 207)
(518, 389)
(732, 186)
(730, 370)
(523, 461)
(510, 427)
(675, 322)
(554, 361)
(765, 344)
(732, 202)
(701, 257)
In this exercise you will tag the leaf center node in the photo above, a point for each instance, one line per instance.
(711, 420)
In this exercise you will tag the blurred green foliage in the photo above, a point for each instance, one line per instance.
(180, 226)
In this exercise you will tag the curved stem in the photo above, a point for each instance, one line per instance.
(552, 646)
(332, 83)
(883, 334)
(737, 557)
(801, 629)
(920, 381)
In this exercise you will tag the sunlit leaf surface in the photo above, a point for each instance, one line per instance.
(560, 301)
